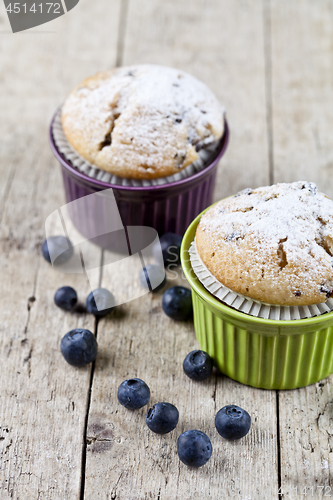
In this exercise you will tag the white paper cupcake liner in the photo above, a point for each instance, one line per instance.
(206, 156)
(249, 306)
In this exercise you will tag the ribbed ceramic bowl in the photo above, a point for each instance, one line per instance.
(168, 207)
(268, 354)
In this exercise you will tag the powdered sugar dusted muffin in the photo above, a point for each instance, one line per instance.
(143, 121)
(272, 244)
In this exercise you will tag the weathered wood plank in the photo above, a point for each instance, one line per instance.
(306, 441)
(302, 91)
(43, 400)
(126, 460)
(222, 43)
(302, 103)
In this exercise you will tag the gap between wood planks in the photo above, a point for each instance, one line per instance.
(122, 31)
(270, 139)
(84, 440)
(268, 84)
(119, 60)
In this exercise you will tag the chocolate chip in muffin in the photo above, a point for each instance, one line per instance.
(233, 236)
(198, 147)
(202, 145)
(244, 191)
(311, 187)
(327, 290)
(180, 158)
(297, 293)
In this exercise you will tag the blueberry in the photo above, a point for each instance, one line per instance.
(177, 303)
(59, 247)
(133, 393)
(232, 422)
(170, 244)
(65, 298)
(194, 448)
(153, 276)
(105, 302)
(162, 418)
(198, 365)
(79, 347)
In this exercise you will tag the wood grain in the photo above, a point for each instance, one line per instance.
(270, 63)
(302, 91)
(302, 104)
(306, 441)
(221, 43)
(124, 459)
(43, 400)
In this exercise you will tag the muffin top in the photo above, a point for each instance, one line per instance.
(143, 121)
(272, 244)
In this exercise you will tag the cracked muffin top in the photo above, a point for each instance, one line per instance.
(143, 121)
(272, 244)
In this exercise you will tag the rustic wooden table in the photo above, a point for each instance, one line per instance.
(63, 435)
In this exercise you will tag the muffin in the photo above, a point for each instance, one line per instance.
(272, 244)
(260, 269)
(142, 121)
(152, 136)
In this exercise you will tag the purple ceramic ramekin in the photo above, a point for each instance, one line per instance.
(166, 208)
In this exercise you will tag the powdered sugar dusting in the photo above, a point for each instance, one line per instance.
(287, 231)
(205, 157)
(295, 211)
(142, 121)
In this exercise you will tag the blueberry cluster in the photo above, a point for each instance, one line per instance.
(79, 348)
(193, 446)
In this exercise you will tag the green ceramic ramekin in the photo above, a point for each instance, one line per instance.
(268, 354)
